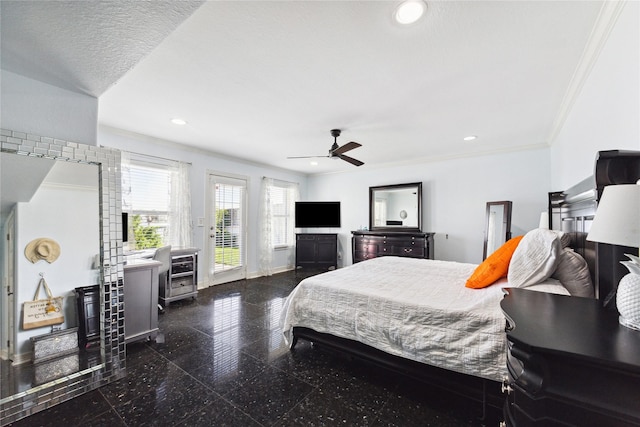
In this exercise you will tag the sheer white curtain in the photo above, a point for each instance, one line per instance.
(265, 213)
(276, 221)
(294, 195)
(181, 230)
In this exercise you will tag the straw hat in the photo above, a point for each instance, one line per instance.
(42, 248)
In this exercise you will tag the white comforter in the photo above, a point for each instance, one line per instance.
(414, 308)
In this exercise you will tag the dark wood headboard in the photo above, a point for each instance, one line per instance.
(573, 210)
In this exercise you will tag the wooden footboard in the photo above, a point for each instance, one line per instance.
(484, 391)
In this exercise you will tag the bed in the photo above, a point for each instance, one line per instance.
(416, 317)
(416, 309)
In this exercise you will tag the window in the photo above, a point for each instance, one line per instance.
(282, 216)
(155, 194)
(277, 220)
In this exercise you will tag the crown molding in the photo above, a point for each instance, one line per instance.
(604, 24)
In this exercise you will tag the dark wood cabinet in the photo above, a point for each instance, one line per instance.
(372, 244)
(88, 305)
(317, 250)
(570, 363)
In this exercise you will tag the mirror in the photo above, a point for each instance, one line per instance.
(498, 226)
(396, 207)
(69, 192)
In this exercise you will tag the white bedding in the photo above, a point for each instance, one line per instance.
(414, 308)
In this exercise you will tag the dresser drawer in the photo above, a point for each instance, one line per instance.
(361, 256)
(181, 285)
(407, 251)
(367, 247)
(182, 266)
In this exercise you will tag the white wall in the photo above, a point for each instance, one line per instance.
(605, 116)
(202, 162)
(37, 108)
(33, 107)
(70, 216)
(455, 193)
(606, 113)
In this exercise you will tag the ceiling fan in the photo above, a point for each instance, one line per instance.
(336, 152)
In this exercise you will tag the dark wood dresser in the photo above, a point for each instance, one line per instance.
(570, 363)
(371, 244)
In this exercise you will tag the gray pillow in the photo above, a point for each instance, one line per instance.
(573, 273)
(565, 238)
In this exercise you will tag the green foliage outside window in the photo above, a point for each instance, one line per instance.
(146, 237)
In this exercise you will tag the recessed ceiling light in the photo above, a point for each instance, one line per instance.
(469, 138)
(313, 163)
(410, 11)
(178, 121)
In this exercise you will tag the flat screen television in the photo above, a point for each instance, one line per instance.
(317, 214)
(125, 227)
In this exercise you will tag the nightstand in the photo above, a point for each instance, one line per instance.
(570, 363)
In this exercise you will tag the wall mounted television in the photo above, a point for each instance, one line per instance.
(125, 227)
(317, 215)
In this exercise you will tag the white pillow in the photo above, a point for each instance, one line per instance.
(535, 259)
(573, 273)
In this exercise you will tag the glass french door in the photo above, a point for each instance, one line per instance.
(227, 224)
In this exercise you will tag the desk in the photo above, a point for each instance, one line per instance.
(182, 277)
(141, 299)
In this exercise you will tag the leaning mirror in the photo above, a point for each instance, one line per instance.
(396, 207)
(498, 226)
(70, 193)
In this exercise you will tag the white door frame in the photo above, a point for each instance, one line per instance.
(210, 219)
(7, 295)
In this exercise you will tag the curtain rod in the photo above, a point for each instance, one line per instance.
(152, 156)
(281, 180)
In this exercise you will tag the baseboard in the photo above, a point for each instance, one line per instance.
(251, 275)
(19, 359)
(256, 274)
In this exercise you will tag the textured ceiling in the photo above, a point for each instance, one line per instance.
(84, 46)
(268, 79)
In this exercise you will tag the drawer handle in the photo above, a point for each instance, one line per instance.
(505, 387)
(407, 250)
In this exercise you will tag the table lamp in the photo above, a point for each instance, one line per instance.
(617, 222)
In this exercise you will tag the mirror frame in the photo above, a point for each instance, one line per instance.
(507, 221)
(112, 337)
(372, 192)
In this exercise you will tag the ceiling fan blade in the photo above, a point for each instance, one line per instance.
(350, 160)
(346, 147)
(305, 157)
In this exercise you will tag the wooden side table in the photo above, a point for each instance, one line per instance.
(570, 363)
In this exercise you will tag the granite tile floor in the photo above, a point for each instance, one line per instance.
(221, 361)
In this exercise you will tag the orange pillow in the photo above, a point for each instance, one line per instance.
(494, 267)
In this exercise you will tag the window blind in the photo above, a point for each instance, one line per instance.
(147, 197)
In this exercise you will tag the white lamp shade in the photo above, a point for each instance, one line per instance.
(617, 219)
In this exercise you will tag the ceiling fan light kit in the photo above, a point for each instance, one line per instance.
(336, 151)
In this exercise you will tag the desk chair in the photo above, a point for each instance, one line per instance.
(163, 255)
